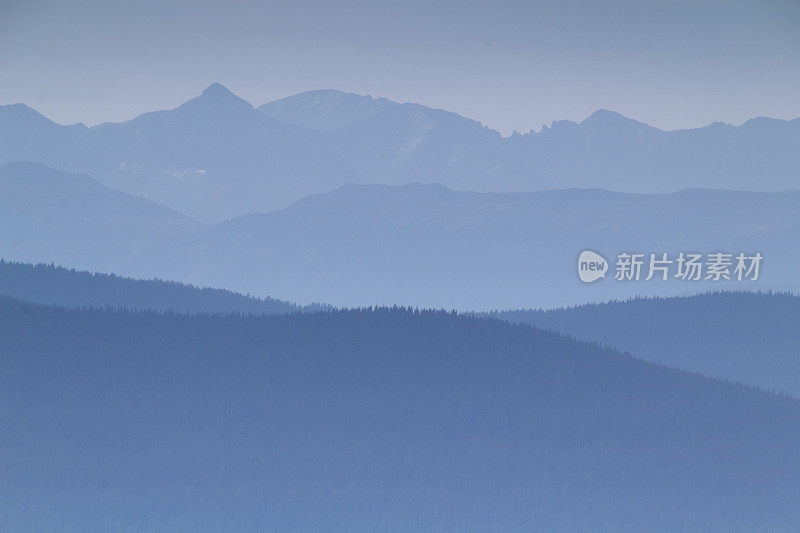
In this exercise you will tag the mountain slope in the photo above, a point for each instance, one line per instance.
(53, 285)
(48, 215)
(742, 337)
(371, 419)
(325, 110)
(414, 143)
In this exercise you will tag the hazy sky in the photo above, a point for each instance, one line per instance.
(511, 65)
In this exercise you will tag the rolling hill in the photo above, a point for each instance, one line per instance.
(743, 337)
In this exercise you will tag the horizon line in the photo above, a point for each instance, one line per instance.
(513, 134)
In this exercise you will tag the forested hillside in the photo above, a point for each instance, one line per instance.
(367, 420)
(49, 284)
(739, 336)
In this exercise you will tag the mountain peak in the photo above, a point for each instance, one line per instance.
(218, 96)
(608, 118)
(606, 115)
(217, 90)
(22, 112)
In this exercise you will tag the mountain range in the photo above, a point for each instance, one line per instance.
(417, 244)
(216, 156)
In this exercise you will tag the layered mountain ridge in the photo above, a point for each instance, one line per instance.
(416, 244)
(216, 156)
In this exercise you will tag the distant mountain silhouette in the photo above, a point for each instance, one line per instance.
(420, 245)
(430, 246)
(48, 215)
(360, 420)
(217, 157)
(53, 285)
(743, 337)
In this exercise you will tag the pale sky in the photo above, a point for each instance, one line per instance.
(510, 65)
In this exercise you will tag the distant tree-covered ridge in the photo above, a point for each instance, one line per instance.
(49, 284)
(747, 337)
(371, 419)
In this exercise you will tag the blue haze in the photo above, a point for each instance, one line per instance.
(420, 245)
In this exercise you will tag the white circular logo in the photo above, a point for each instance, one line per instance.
(591, 266)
